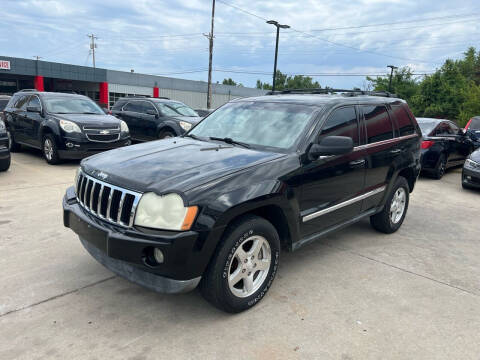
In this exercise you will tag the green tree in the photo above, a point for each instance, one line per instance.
(283, 81)
(229, 81)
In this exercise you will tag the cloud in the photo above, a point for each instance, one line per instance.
(162, 36)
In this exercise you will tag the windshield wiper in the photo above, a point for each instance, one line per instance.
(230, 141)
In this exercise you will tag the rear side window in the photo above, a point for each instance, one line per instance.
(342, 122)
(22, 100)
(444, 129)
(378, 123)
(405, 124)
(118, 105)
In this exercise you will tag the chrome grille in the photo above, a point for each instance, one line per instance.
(99, 134)
(108, 202)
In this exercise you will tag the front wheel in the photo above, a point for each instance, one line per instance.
(50, 150)
(391, 217)
(244, 265)
(166, 134)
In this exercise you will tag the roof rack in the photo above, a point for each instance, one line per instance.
(145, 96)
(355, 92)
(27, 90)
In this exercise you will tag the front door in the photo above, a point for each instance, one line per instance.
(331, 186)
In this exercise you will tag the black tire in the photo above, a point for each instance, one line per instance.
(12, 145)
(50, 157)
(383, 220)
(165, 134)
(215, 285)
(4, 166)
(440, 168)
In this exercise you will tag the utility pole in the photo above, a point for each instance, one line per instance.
(36, 57)
(391, 75)
(210, 56)
(93, 46)
(278, 26)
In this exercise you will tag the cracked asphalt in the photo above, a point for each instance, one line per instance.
(356, 294)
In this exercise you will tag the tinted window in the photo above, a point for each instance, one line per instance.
(145, 106)
(379, 125)
(118, 105)
(34, 101)
(342, 122)
(474, 124)
(22, 100)
(443, 129)
(405, 124)
(454, 129)
(133, 106)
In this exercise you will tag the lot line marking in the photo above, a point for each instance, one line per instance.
(404, 270)
(57, 296)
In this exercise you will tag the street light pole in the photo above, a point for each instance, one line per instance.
(391, 75)
(278, 26)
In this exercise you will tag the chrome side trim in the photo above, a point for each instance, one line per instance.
(343, 204)
(389, 141)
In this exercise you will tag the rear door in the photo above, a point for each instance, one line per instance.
(19, 118)
(381, 151)
(331, 185)
(32, 122)
(130, 113)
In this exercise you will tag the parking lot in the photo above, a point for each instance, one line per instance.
(356, 294)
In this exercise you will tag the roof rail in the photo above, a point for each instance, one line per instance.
(27, 90)
(354, 92)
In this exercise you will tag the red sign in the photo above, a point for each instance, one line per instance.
(4, 64)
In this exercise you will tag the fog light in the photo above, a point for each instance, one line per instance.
(158, 255)
(69, 145)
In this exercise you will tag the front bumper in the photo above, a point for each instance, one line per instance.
(125, 251)
(74, 149)
(471, 178)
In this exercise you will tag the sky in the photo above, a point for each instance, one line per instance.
(332, 40)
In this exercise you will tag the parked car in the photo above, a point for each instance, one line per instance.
(155, 118)
(472, 129)
(444, 145)
(214, 206)
(4, 151)
(471, 171)
(63, 126)
(4, 99)
(203, 112)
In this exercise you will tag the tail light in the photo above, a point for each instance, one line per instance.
(426, 144)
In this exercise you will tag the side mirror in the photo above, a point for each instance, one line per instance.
(151, 112)
(36, 109)
(331, 145)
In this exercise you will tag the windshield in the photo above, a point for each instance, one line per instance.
(66, 105)
(474, 125)
(257, 123)
(426, 125)
(3, 103)
(182, 109)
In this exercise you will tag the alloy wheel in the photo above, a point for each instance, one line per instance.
(48, 149)
(249, 266)
(397, 207)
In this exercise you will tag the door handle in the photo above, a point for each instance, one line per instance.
(357, 163)
(396, 151)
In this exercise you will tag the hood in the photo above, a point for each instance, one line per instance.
(178, 164)
(100, 121)
(191, 119)
(475, 156)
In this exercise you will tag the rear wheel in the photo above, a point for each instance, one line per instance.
(50, 150)
(391, 217)
(441, 167)
(12, 145)
(244, 265)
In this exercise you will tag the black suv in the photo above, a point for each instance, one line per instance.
(155, 118)
(215, 206)
(63, 126)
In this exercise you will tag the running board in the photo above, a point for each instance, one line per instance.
(311, 238)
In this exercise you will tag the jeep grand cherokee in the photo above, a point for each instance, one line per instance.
(215, 206)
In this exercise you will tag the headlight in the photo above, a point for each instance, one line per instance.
(472, 165)
(185, 125)
(69, 126)
(2, 125)
(124, 127)
(165, 212)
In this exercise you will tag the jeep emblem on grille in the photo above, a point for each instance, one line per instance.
(104, 132)
(102, 175)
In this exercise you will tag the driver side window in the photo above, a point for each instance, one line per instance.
(342, 122)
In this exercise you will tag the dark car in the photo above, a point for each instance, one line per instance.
(4, 99)
(471, 171)
(214, 207)
(155, 118)
(472, 130)
(4, 151)
(63, 126)
(444, 145)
